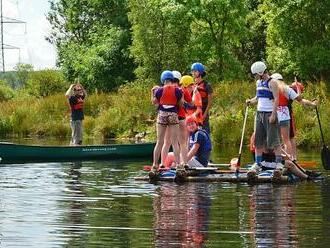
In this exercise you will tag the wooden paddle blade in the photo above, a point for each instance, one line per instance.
(325, 155)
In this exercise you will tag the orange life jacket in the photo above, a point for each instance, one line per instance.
(168, 95)
(187, 99)
(197, 110)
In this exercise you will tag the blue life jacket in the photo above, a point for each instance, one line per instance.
(263, 90)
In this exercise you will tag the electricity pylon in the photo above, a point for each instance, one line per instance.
(3, 46)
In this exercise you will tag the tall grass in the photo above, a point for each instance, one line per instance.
(128, 111)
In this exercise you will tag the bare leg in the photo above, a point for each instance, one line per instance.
(183, 136)
(294, 148)
(294, 170)
(174, 137)
(161, 129)
(285, 133)
(166, 146)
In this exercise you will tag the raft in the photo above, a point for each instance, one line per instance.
(218, 176)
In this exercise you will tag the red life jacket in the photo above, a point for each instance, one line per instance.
(168, 95)
(78, 105)
(282, 100)
(202, 89)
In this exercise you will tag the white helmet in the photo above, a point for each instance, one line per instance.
(177, 75)
(277, 76)
(258, 67)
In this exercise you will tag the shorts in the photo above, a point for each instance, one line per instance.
(283, 113)
(194, 163)
(267, 135)
(76, 132)
(167, 118)
(285, 123)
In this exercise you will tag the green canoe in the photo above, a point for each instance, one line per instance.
(14, 153)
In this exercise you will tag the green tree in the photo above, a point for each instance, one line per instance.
(169, 34)
(217, 30)
(92, 38)
(161, 32)
(298, 37)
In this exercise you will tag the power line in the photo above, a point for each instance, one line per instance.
(6, 20)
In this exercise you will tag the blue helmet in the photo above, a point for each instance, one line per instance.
(166, 75)
(198, 67)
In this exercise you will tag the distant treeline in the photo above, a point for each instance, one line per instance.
(106, 43)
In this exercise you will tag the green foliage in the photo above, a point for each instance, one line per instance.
(160, 36)
(298, 37)
(6, 92)
(45, 83)
(92, 38)
(23, 71)
(128, 111)
(182, 32)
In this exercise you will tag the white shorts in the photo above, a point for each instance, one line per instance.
(194, 163)
(283, 113)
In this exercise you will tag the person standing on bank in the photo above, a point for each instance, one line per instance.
(205, 90)
(267, 129)
(76, 95)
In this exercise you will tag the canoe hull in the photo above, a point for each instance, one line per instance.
(14, 153)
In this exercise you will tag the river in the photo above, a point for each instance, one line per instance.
(99, 204)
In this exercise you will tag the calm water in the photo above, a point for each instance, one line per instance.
(101, 205)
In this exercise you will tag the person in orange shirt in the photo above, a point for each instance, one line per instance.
(195, 108)
(205, 90)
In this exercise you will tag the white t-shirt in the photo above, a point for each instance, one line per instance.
(283, 113)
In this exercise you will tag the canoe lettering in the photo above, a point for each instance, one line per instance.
(99, 149)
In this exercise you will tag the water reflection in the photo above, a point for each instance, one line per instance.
(100, 205)
(181, 215)
(76, 214)
(273, 215)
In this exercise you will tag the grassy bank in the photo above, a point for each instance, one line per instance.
(127, 112)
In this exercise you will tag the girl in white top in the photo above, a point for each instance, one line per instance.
(285, 94)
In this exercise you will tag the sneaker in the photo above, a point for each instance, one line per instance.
(153, 173)
(277, 175)
(180, 167)
(312, 174)
(255, 167)
(251, 175)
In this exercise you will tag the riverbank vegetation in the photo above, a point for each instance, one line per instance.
(128, 113)
(117, 50)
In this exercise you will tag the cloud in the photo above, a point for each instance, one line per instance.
(29, 37)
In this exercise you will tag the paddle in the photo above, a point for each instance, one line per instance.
(238, 164)
(325, 153)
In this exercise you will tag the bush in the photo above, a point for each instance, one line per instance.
(6, 92)
(46, 83)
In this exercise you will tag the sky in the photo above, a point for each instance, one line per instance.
(29, 37)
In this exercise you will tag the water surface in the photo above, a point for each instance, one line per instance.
(99, 204)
